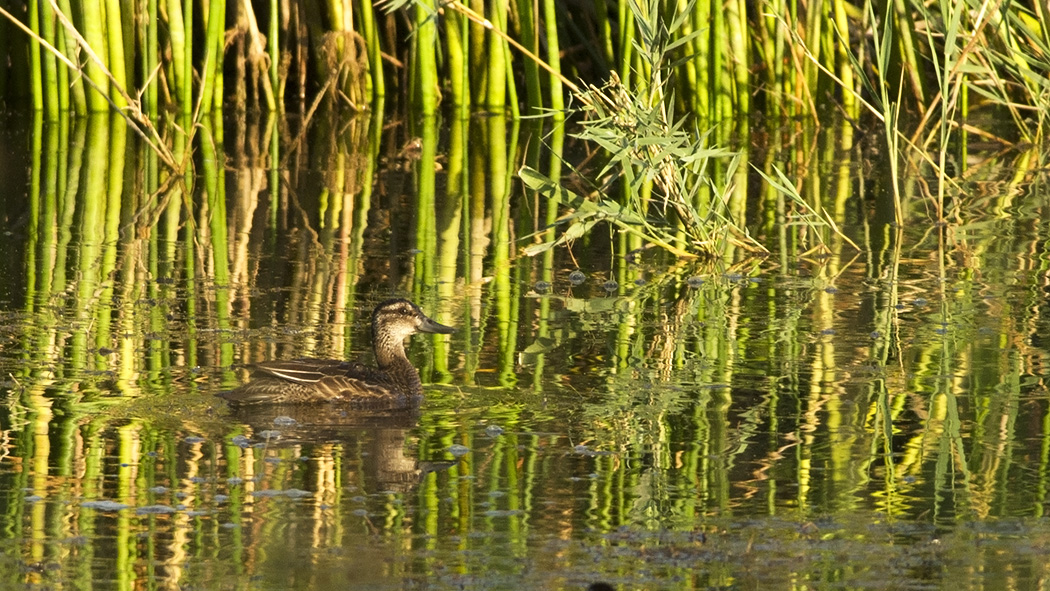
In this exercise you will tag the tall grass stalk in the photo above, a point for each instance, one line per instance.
(426, 57)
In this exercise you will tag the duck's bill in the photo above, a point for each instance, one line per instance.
(435, 327)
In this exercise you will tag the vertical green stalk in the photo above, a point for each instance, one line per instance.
(213, 44)
(36, 78)
(456, 29)
(93, 18)
(702, 51)
(528, 25)
(550, 19)
(92, 208)
(118, 131)
(58, 98)
(845, 66)
(187, 56)
(369, 30)
(720, 66)
(426, 56)
(150, 60)
(218, 243)
(115, 53)
(179, 56)
(479, 54)
(426, 190)
(738, 28)
(496, 97)
(626, 21)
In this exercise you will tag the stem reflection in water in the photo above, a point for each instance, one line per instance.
(814, 414)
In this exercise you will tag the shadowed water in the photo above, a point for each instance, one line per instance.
(819, 417)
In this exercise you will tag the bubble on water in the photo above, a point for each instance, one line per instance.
(610, 285)
(577, 277)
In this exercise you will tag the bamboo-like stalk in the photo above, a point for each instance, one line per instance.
(73, 81)
(557, 92)
(36, 75)
(57, 94)
(496, 72)
(181, 56)
(115, 44)
(458, 59)
(150, 59)
(93, 18)
(528, 27)
(425, 50)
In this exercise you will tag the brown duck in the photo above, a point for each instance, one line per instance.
(393, 384)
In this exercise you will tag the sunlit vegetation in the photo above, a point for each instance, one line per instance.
(663, 87)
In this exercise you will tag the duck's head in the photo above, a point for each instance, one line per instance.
(397, 319)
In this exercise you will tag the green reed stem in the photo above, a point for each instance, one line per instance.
(528, 26)
(36, 78)
(92, 30)
(496, 98)
(115, 45)
(456, 53)
(56, 93)
(557, 92)
(426, 56)
(737, 31)
(179, 56)
(211, 83)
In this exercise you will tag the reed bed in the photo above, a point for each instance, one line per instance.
(675, 76)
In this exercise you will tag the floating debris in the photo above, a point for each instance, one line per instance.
(104, 505)
(458, 450)
(155, 510)
(269, 435)
(502, 512)
(292, 493)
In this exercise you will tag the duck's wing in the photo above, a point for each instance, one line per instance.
(310, 371)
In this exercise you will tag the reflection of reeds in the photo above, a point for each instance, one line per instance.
(726, 396)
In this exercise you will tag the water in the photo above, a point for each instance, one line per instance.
(818, 418)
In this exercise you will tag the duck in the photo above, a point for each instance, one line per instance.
(393, 384)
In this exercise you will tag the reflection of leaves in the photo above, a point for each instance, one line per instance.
(591, 305)
(541, 345)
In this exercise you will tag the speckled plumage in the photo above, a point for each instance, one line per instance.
(393, 384)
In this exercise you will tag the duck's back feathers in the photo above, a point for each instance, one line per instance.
(326, 380)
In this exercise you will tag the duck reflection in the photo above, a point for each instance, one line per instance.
(381, 437)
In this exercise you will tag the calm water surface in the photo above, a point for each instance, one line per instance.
(823, 417)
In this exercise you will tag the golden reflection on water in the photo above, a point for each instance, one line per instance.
(660, 424)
